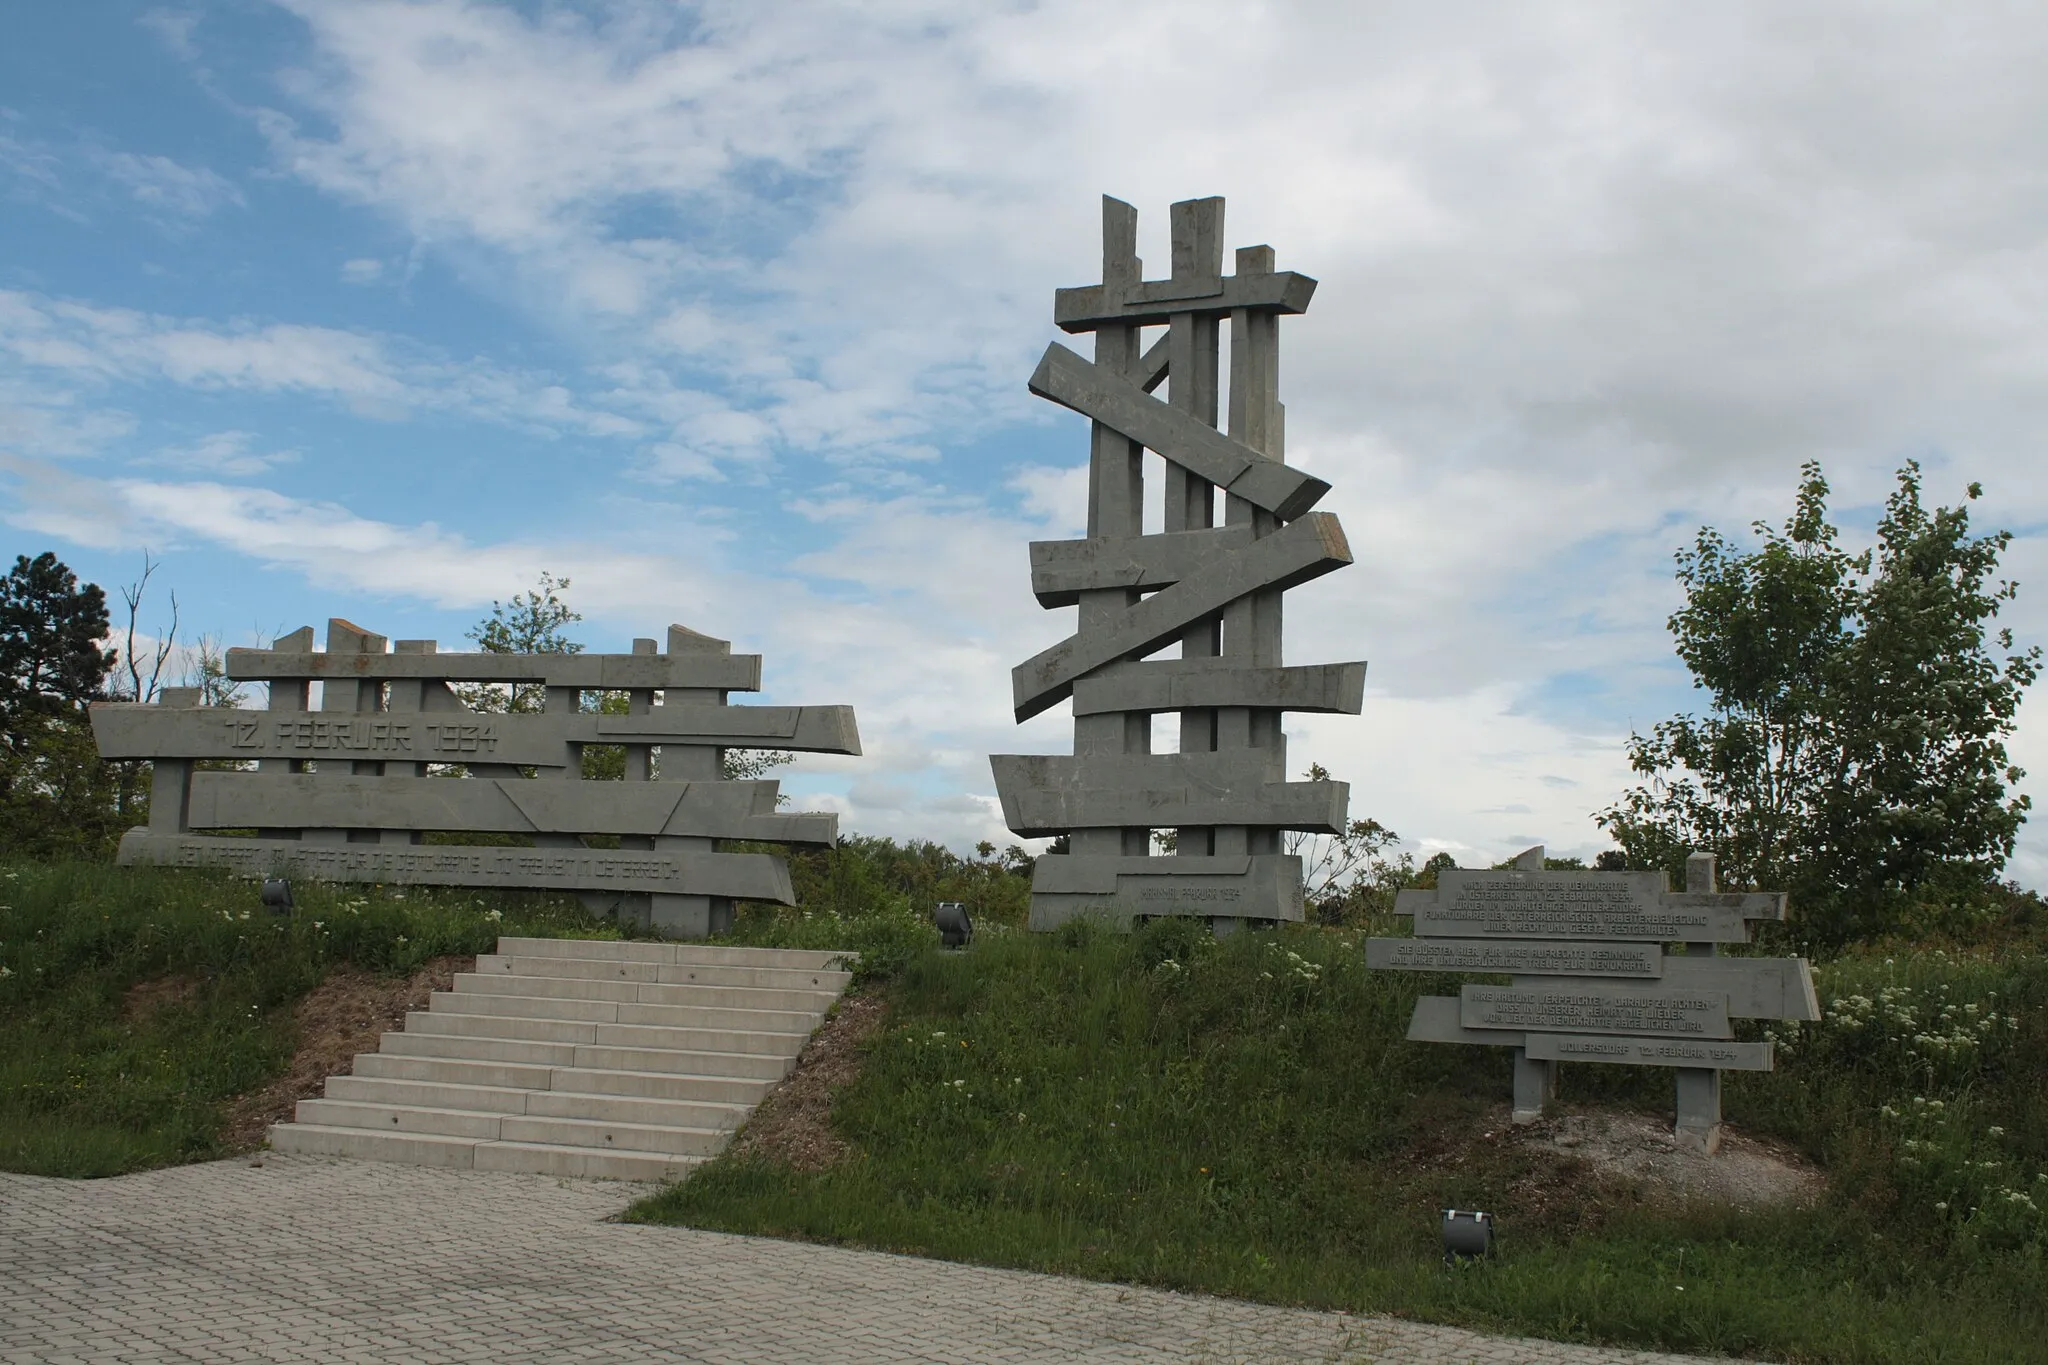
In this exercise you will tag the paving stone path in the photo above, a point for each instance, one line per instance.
(308, 1258)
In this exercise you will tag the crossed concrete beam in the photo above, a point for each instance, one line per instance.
(1239, 531)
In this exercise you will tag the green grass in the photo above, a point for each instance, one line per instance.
(90, 1087)
(1240, 1118)
(1244, 1119)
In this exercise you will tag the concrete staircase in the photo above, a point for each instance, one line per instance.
(578, 1057)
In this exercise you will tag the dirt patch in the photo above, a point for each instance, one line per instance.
(1579, 1169)
(342, 1016)
(793, 1126)
(1747, 1172)
(147, 999)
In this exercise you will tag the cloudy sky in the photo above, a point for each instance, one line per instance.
(725, 311)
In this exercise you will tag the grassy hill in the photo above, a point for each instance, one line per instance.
(1238, 1118)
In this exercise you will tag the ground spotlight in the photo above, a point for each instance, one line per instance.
(955, 929)
(277, 894)
(1468, 1233)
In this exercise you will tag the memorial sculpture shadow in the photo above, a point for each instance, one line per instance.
(345, 792)
(1214, 590)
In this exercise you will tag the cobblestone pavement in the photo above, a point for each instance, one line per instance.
(308, 1258)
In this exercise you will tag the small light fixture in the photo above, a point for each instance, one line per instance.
(955, 929)
(1468, 1234)
(277, 894)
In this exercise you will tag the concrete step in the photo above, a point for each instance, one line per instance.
(737, 1090)
(625, 1012)
(654, 973)
(608, 1035)
(616, 1137)
(477, 1049)
(643, 993)
(590, 949)
(584, 1163)
(450, 1071)
(577, 1057)
(753, 1065)
(414, 1149)
(667, 1060)
(422, 1149)
(474, 1124)
(618, 950)
(488, 1099)
(556, 1104)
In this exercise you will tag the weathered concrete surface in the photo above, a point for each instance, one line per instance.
(335, 1261)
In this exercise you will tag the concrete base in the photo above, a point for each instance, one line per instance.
(1535, 1086)
(1699, 1110)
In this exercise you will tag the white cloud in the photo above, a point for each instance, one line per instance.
(1590, 277)
(362, 270)
(173, 28)
(372, 375)
(159, 183)
(229, 454)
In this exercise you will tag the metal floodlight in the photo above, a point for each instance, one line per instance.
(1468, 1234)
(277, 894)
(955, 929)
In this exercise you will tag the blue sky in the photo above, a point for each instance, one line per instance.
(724, 311)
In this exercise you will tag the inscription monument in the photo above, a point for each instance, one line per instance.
(346, 792)
(1604, 967)
(1236, 533)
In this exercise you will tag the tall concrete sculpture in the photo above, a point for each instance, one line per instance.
(345, 792)
(1214, 590)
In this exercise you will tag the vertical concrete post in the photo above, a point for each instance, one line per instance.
(287, 695)
(1194, 351)
(1116, 507)
(690, 916)
(1535, 1079)
(1252, 624)
(348, 696)
(1699, 1088)
(406, 696)
(170, 779)
(635, 907)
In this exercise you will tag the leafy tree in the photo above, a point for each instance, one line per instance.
(533, 622)
(537, 622)
(56, 796)
(1854, 751)
(51, 661)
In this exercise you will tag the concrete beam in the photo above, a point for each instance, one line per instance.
(718, 810)
(740, 876)
(1719, 1054)
(1053, 794)
(129, 730)
(1293, 554)
(1064, 886)
(1186, 684)
(1230, 464)
(619, 672)
(1061, 570)
(1089, 306)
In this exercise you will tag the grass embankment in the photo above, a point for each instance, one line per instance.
(136, 1003)
(98, 1077)
(1244, 1119)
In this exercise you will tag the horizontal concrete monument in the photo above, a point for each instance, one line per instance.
(346, 792)
(1593, 978)
(1208, 588)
